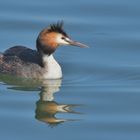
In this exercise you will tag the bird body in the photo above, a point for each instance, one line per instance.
(40, 64)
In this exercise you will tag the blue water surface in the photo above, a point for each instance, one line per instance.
(99, 95)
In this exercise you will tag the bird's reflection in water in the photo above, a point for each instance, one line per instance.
(46, 107)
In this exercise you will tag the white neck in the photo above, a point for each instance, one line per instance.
(52, 68)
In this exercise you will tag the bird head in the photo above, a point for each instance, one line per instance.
(54, 36)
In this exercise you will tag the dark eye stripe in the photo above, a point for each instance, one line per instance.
(63, 38)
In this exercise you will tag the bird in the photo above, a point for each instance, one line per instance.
(40, 63)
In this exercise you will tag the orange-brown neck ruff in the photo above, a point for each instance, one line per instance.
(46, 42)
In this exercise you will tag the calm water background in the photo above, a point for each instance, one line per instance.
(103, 81)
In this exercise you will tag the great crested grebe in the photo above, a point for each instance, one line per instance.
(40, 64)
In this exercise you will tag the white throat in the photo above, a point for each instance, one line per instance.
(52, 68)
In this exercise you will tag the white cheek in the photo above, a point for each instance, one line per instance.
(59, 40)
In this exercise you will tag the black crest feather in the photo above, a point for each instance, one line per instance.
(57, 27)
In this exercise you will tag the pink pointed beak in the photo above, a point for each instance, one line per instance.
(78, 44)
